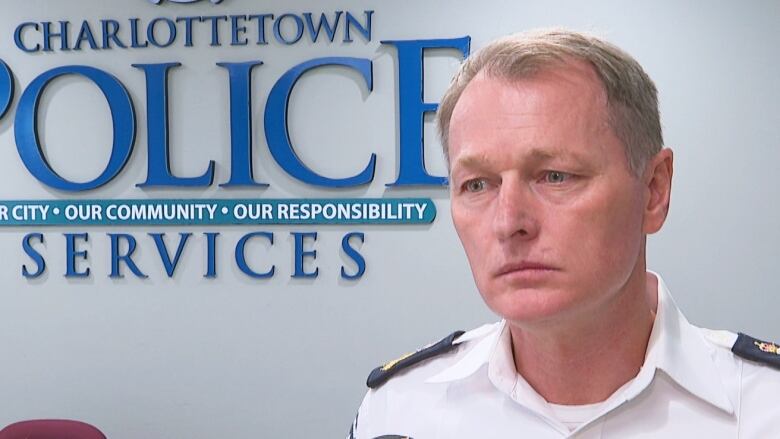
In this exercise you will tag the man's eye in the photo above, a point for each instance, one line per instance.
(475, 185)
(556, 177)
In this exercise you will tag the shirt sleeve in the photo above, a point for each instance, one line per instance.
(359, 426)
(352, 429)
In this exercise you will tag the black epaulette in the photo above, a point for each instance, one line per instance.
(381, 374)
(757, 350)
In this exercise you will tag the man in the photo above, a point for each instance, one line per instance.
(557, 175)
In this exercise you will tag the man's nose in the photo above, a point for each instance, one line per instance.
(516, 212)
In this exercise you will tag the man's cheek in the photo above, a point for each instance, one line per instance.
(476, 258)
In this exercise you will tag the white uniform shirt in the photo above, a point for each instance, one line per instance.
(690, 386)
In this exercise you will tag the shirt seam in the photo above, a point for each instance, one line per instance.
(739, 399)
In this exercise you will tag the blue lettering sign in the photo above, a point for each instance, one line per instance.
(211, 254)
(48, 35)
(301, 255)
(353, 254)
(276, 128)
(127, 257)
(188, 28)
(330, 30)
(34, 255)
(110, 30)
(6, 88)
(364, 30)
(411, 169)
(261, 19)
(159, 166)
(85, 34)
(152, 36)
(215, 19)
(134, 34)
(241, 255)
(71, 254)
(238, 30)
(123, 246)
(18, 35)
(162, 249)
(26, 127)
(298, 29)
(241, 123)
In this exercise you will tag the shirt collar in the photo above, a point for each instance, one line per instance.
(486, 338)
(680, 350)
(675, 347)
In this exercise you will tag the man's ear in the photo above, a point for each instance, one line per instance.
(657, 179)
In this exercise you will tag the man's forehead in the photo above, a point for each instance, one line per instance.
(558, 98)
(571, 74)
(545, 109)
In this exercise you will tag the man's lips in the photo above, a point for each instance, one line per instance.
(524, 267)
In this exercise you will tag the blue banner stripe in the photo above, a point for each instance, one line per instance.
(165, 212)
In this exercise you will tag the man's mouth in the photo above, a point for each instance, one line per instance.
(528, 270)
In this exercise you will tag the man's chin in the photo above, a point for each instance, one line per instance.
(531, 305)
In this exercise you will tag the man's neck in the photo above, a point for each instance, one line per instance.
(585, 361)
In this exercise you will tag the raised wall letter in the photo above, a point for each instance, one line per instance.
(278, 137)
(71, 254)
(159, 164)
(127, 258)
(26, 127)
(34, 255)
(159, 241)
(6, 88)
(241, 255)
(241, 123)
(411, 169)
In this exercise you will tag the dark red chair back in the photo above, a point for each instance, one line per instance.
(51, 429)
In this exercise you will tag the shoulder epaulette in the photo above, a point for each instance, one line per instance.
(757, 350)
(381, 374)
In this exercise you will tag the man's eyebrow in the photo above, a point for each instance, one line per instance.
(470, 161)
(535, 155)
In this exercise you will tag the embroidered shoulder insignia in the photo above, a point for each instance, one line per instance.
(381, 374)
(757, 350)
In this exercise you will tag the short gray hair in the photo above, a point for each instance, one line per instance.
(632, 99)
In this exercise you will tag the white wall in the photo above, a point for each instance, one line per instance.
(192, 358)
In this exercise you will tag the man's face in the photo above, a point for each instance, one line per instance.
(543, 200)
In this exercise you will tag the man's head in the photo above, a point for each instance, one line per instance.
(632, 99)
(557, 172)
